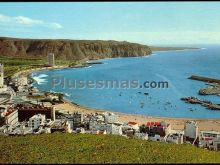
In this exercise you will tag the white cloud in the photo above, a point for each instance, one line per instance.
(55, 25)
(27, 22)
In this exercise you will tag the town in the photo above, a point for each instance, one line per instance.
(26, 110)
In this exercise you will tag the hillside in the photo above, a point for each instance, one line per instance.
(87, 148)
(70, 49)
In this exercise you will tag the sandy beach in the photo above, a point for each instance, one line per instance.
(177, 123)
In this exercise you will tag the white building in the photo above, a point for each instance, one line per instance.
(3, 88)
(133, 125)
(207, 138)
(21, 130)
(67, 127)
(36, 121)
(143, 136)
(61, 126)
(191, 130)
(115, 129)
(12, 118)
(76, 119)
(100, 118)
(176, 138)
(110, 117)
(10, 115)
(93, 125)
(167, 127)
(51, 59)
(209, 134)
(156, 138)
(1, 75)
(111, 128)
(216, 145)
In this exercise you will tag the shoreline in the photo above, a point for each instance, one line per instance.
(67, 101)
(177, 123)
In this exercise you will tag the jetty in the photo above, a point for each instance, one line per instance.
(205, 103)
(205, 79)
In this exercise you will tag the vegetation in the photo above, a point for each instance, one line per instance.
(13, 65)
(16, 64)
(80, 63)
(87, 148)
(62, 62)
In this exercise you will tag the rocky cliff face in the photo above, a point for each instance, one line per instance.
(71, 49)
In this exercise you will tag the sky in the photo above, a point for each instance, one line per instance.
(152, 23)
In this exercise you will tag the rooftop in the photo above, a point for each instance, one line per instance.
(31, 107)
(210, 132)
(37, 116)
(132, 123)
(157, 124)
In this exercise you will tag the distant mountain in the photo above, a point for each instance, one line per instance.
(70, 49)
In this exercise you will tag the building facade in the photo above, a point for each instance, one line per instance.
(1, 75)
(191, 130)
(26, 111)
(36, 120)
(8, 116)
(77, 120)
(11, 117)
(110, 117)
(51, 59)
(207, 139)
(176, 138)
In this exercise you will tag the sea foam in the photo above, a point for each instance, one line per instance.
(40, 79)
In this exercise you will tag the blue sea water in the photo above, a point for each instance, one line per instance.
(171, 66)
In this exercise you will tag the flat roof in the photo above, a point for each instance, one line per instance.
(211, 132)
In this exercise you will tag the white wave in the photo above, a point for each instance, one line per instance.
(66, 94)
(88, 66)
(40, 79)
(147, 56)
(42, 75)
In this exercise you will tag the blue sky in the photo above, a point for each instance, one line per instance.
(152, 23)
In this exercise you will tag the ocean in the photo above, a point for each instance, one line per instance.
(173, 67)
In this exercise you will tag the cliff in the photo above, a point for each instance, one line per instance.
(70, 49)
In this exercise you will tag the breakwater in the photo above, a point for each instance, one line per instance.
(205, 79)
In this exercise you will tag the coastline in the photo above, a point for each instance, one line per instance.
(177, 123)
(29, 71)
